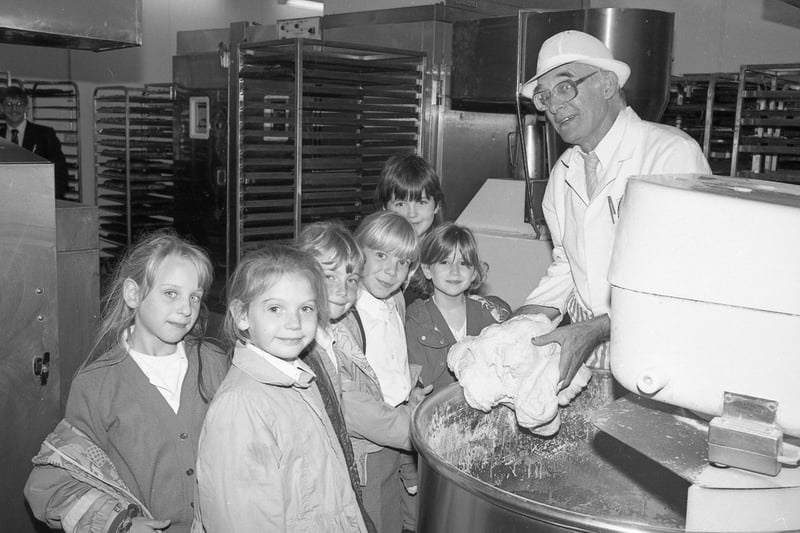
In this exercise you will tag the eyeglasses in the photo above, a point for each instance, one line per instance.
(13, 104)
(562, 92)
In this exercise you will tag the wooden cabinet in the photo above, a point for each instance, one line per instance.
(78, 263)
(29, 404)
(49, 286)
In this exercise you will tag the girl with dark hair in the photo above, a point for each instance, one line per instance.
(451, 270)
(409, 186)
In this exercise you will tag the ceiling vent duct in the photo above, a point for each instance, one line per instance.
(76, 24)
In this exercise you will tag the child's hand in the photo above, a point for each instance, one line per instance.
(410, 485)
(408, 475)
(148, 525)
(418, 394)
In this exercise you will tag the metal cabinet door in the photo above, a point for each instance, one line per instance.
(29, 404)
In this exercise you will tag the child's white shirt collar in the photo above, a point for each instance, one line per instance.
(290, 368)
(325, 341)
(372, 305)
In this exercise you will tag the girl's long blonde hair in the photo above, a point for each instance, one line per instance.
(140, 264)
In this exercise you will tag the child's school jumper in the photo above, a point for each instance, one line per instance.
(153, 449)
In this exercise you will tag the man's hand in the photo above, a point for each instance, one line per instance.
(418, 394)
(577, 342)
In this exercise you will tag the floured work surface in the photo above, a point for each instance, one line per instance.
(579, 469)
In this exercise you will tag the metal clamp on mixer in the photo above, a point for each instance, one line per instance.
(746, 436)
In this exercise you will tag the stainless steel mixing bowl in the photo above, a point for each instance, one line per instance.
(481, 473)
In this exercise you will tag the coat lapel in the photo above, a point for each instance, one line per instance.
(442, 332)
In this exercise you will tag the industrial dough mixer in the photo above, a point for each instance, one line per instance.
(706, 318)
(705, 330)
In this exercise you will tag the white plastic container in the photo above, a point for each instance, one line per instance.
(705, 295)
(517, 259)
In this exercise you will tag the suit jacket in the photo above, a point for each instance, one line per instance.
(43, 141)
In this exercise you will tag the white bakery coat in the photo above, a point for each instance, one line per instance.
(583, 232)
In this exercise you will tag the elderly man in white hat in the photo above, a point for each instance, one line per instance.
(578, 86)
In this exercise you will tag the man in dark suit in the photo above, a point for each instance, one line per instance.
(38, 139)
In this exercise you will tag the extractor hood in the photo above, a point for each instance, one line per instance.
(77, 24)
(485, 54)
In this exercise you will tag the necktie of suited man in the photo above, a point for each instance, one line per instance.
(15, 136)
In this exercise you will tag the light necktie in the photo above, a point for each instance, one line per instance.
(590, 163)
(15, 136)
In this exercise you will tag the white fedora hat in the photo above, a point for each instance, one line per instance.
(573, 46)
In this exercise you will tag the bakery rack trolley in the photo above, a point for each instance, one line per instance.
(312, 124)
(704, 106)
(133, 157)
(57, 104)
(766, 142)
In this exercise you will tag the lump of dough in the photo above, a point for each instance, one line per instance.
(575, 386)
(501, 365)
(483, 388)
(536, 403)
